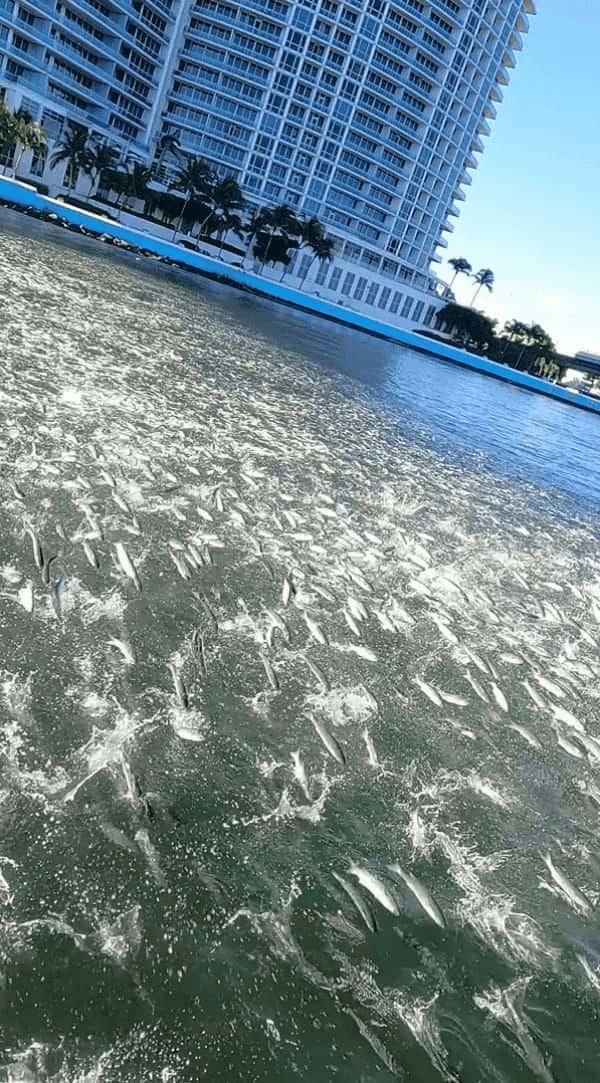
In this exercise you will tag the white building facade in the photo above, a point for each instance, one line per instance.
(368, 114)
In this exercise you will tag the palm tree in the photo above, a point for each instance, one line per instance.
(101, 163)
(284, 223)
(72, 149)
(259, 222)
(195, 180)
(229, 222)
(484, 277)
(28, 135)
(227, 196)
(461, 266)
(167, 144)
(322, 249)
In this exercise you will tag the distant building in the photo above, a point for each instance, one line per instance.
(367, 114)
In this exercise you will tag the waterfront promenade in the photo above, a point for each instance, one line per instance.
(25, 196)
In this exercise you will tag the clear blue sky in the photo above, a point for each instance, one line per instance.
(533, 211)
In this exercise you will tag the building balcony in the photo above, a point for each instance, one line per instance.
(509, 59)
(490, 111)
(495, 93)
(483, 128)
(522, 23)
(529, 7)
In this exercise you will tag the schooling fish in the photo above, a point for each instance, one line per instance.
(562, 715)
(287, 590)
(127, 566)
(318, 673)
(353, 626)
(90, 554)
(125, 649)
(198, 649)
(270, 672)
(428, 691)
(330, 742)
(181, 565)
(575, 897)
(361, 906)
(25, 596)
(315, 630)
(356, 608)
(180, 689)
(421, 894)
(375, 887)
(450, 697)
(370, 748)
(445, 631)
(16, 490)
(46, 569)
(535, 696)
(300, 774)
(527, 735)
(38, 555)
(499, 697)
(477, 688)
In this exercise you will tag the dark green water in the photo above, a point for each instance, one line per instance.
(168, 909)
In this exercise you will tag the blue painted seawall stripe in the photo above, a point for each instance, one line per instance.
(25, 196)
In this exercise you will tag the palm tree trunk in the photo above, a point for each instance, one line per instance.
(475, 295)
(178, 224)
(453, 280)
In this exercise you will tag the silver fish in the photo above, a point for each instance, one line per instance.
(125, 649)
(421, 894)
(181, 565)
(351, 623)
(25, 596)
(315, 630)
(535, 696)
(527, 735)
(574, 895)
(375, 887)
(300, 774)
(428, 691)
(198, 648)
(286, 591)
(499, 697)
(90, 554)
(359, 903)
(318, 673)
(149, 851)
(38, 555)
(370, 748)
(127, 566)
(180, 689)
(356, 608)
(47, 569)
(450, 697)
(271, 674)
(330, 742)
(477, 688)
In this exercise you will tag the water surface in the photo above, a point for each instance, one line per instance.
(402, 552)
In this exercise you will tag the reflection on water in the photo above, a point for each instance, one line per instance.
(298, 696)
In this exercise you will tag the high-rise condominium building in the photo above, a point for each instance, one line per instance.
(366, 113)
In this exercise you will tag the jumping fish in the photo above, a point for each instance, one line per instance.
(127, 566)
(568, 746)
(330, 742)
(133, 790)
(125, 649)
(370, 748)
(359, 903)
(428, 691)
(286, 591)
(180, 689)
(526, 734)
(318, 673)
(351, 623)
(421, 894)
(315, 630)
(567, 718)
(300, 774)
(477, 688)
(270, 672)
(181, 565)
(38, 555)
(535, 696)
(198, 649)
(499, 697)
(375, 887)
(90, 554)
(576, 898)
(450, 697)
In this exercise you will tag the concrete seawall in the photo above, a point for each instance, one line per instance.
(23, 195)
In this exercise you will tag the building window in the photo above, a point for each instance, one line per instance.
(384, 297)
(322, 273)
(360, 289)
(372, 293)
(430, 316)
(396, 299)
(348, 283)
(420, 305)
(336, 274)
(304, 265)
(406, 307)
